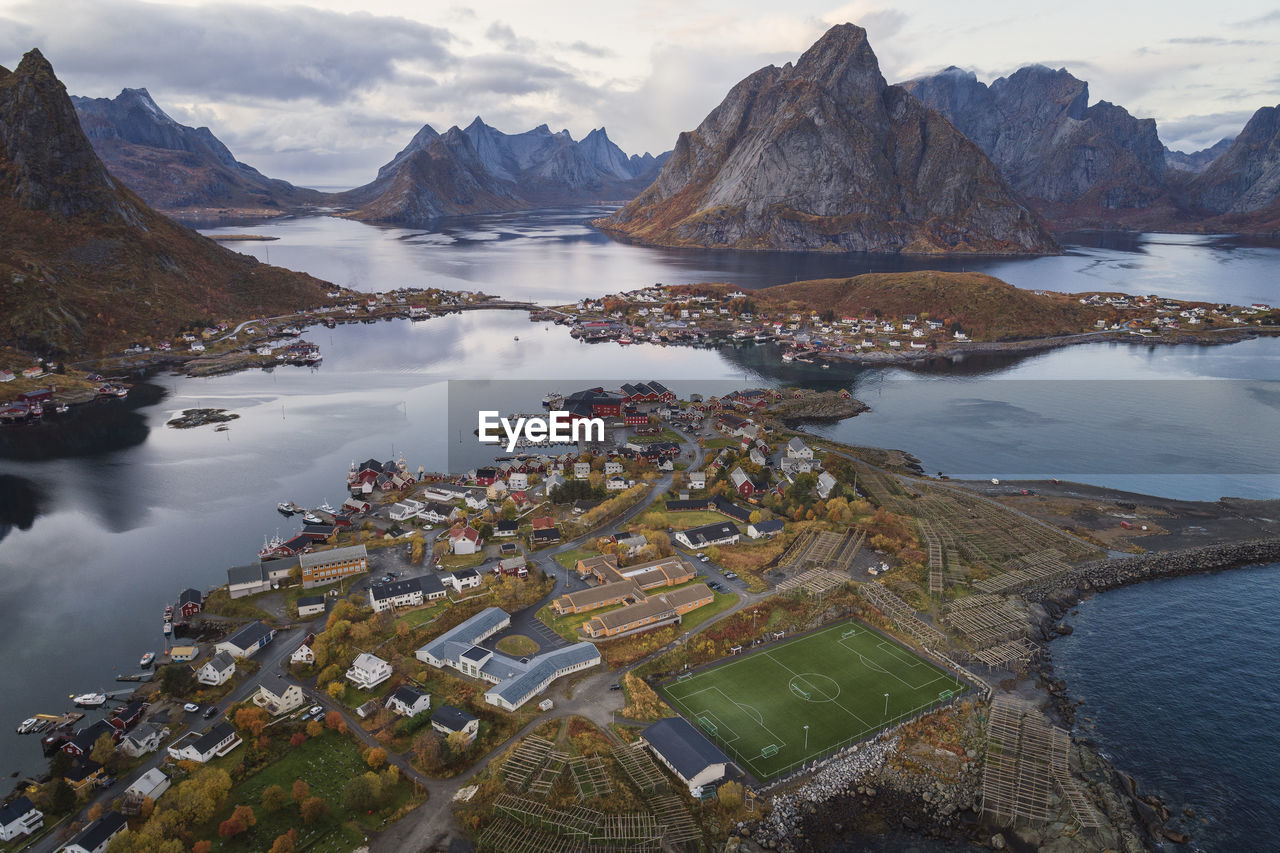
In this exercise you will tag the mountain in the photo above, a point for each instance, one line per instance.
(87, 265)
(184, 171)
(1243, 184)
(481, 169)
(1197, 161)
(1074, 162)
(433, 176)
(825, 156)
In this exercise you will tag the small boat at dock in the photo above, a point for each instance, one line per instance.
(147, 660)
(288, 508)
(309, 517)
(28, 725)
(89, 700)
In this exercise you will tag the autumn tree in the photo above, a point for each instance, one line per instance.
(301, 790)
(251, 718)
(375, 757)
(459, 742)
(427, 749)
(95, 811)
(202, 846)
(362, 793)
(336, 690)
(315, 728)
(730, 795)
(284, 843)
(313, 809)
(273, 798)
(104, 748)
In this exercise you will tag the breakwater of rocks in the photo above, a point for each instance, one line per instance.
(1101, 575)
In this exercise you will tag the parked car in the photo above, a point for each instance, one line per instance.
(615, 686)
(210, 711)
(733, 576)
(316, 710)
(715, 586)
(191, 707)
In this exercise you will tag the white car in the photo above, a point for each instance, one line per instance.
(316, 710)
(191, 707)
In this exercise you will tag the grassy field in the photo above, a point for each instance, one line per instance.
(422, 616)
(569, 559)
(325, 763)
(517, 645)
(833, 681)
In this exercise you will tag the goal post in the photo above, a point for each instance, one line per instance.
(769, 751)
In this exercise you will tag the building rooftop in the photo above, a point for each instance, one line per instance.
(683, 746)
(249, 635)
(333, 555)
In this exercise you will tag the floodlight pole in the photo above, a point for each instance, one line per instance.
(806, 738)
(886, 705)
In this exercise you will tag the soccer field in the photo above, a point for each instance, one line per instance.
(833, 681)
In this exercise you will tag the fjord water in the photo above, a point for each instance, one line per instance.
(555, 256)
(1179, 681)
(111, 529)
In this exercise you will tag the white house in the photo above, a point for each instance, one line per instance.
(368, 671)
(761, 529)
(304, 653)
(616, 484)
(405, 510)
(246, 642)
(406, 593)
(448, 720)
(217, 670)
(198, 747)
(310, 605)
(150, 785)
(826, 485)
(686, 752)
(716, 533)
(408, 701)
(476, 503)
(464, 540)
(95, 837)
(463, 579)
(19, 818)
(275, 703)
(581, 470)
(797, 449)
(144, 738)
(697, 480)
(517, 481)
(612, 467)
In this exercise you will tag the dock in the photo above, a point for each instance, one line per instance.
(47, 722)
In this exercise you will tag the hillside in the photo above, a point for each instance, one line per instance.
(184, 171)
(982, 305)
(88, 266)
(825, 156)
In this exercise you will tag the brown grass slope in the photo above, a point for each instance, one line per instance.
(85, 265)
(984, 306)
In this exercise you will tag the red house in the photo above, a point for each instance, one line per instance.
(190, 601)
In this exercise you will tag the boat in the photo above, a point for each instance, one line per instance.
(168, 627)
(120, 391)
(36, 410)
(27, 725)
(624, 340)
(826, 366)
(90, 700)
(285, 507)
(517, 337)
(324, 507)
(221, 428)
(147, 659)
(788, 356)
(310, 517)
(62, 408)
(270, 545)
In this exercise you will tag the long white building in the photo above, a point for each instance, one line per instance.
(515, 681)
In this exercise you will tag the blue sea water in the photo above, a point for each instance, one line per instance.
(1181, 682)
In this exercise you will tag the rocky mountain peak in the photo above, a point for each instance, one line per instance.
(842, 61)
(52, 166)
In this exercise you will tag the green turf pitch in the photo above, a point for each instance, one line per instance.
(832, 680)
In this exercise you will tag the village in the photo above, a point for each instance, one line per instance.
(712, 314)
(507, 646)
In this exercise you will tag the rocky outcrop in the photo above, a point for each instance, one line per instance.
(825, 156)
(184, 171)
(87, 266)
(481, 170)
(1037, 126)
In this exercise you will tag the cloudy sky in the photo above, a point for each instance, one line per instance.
(322, 92)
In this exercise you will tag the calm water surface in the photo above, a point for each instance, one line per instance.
(1179, 679)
